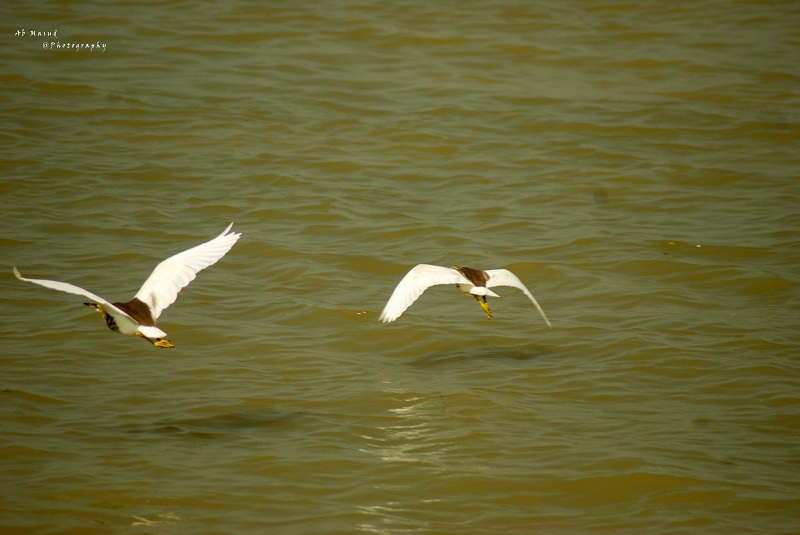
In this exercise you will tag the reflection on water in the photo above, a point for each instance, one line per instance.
(411, 437)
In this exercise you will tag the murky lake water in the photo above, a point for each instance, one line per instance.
(635, 164)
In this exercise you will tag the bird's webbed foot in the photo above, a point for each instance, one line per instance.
(484, 305)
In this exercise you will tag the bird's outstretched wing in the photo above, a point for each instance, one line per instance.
(76, 290)
(416, 281)
(503, 277)
(169, 277)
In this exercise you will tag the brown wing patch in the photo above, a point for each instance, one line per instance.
(138, 310)
(477, 277)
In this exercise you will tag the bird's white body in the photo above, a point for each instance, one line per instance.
(423, 276)
(475, 290)
(159, 290)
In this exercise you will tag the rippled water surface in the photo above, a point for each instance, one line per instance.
(635, 164)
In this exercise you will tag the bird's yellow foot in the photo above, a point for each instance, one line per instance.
(485, 307)
(163, 343)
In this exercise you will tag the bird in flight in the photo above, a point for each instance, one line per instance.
(138, 316)
(474, 282)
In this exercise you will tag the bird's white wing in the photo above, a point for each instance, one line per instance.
(503, 277)
(416, 281)
(76, 290)
(169, 277)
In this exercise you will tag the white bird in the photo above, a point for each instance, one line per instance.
(138, 316)
(474, 282)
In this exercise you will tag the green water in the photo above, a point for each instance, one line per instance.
(635, 165)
